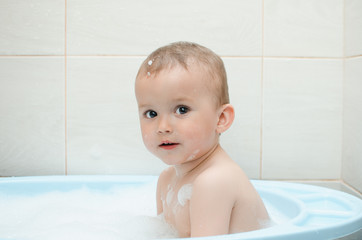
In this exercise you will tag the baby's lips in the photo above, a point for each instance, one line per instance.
(168, 145)
(165, 143)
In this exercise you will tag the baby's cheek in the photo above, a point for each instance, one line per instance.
(145, 137)
(147, 140)
(192, 131)
(198, 134)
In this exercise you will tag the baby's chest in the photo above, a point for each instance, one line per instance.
(179, 217)
(176, 209)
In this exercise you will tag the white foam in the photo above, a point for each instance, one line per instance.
(117, 214)
(84, 214)
(169, 196)
(193, 155)
(184, 194)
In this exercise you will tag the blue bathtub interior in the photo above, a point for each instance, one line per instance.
(304, 211)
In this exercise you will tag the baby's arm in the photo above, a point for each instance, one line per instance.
(211, 205)
(163, 180)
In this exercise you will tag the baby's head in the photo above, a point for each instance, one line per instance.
(190, 56)
(183, 102)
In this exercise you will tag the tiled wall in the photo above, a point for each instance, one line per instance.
(352, 104)
(67, 70)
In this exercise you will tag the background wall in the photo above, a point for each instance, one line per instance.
(67, 70)
(352, 104)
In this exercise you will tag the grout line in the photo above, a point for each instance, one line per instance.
(222, 56)
(84, 55)
(354, 56)
(344, 28)
(107, 55)
(343, 84)
(305, 57)
(30, 56)
(342, 117)
(65, 93)
(261, 93)
(351, 187)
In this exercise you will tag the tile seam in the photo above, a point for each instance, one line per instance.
(261, 93)
(65, 92)
(223, 56)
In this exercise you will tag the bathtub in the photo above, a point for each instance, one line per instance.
(299, 211)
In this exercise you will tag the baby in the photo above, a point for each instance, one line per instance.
(183, 103)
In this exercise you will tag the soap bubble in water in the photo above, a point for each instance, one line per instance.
(84, 214)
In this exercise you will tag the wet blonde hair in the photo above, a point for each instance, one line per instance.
(186, 54)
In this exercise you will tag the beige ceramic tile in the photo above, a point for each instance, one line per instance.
(32, 27)
(302, 122)
(303, 28)
(353, 26)
(138, 27)
(32, 140)
(352, 127)
(242, 140)
(103, 128)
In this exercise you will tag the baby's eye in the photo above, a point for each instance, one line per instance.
(182, 110)
(150, 114)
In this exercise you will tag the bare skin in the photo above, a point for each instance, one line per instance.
(223, 200)
(203, 192)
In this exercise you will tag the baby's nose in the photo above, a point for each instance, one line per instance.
(164, 125)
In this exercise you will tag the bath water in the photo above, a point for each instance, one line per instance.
(124, 207)
(123, 213)
(120, 213)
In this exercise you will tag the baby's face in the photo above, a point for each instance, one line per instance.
(177, 114)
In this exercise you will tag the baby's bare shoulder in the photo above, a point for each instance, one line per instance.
(165, 177)
(168, 173)
(220, 177)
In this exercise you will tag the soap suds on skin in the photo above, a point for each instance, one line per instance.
(193, 155)
(184, 194)
(169, 196)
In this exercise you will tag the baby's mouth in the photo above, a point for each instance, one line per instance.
(168, 145)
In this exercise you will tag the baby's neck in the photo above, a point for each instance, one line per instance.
(185, 169)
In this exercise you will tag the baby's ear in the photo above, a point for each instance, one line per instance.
(226, 118)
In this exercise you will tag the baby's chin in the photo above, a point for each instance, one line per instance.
(176, 159)
(173, 162)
